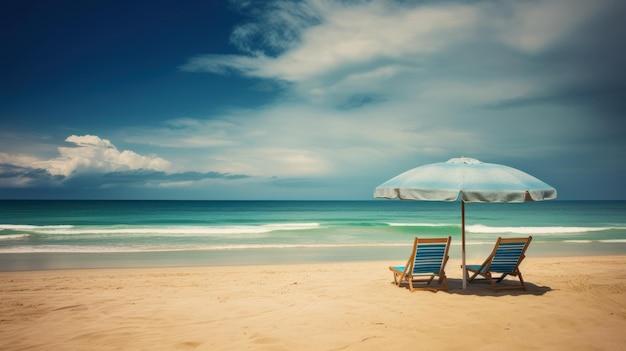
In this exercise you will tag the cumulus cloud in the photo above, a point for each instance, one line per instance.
(91, 154)
(92, 163)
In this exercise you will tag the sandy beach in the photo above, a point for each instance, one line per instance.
(572, 303)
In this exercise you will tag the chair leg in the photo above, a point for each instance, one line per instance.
(521, 280)
(488, 276)
(441, 284)
(476, 274)
(517, 274)
(397, 278)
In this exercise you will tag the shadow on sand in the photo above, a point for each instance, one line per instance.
(483, 288)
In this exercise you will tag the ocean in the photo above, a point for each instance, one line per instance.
(97, 234)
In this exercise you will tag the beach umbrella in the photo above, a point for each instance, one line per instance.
(475, 181)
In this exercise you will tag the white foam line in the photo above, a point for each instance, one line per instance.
(483, 229)
(130, 249)
(168, 230)
(421, 225)
(31, 227)
(13, 236)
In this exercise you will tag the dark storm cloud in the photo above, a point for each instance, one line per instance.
(21, 176)
(12, 176)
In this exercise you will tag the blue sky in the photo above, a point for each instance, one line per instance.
(312, 99)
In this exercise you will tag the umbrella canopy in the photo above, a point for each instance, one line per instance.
(473, 180)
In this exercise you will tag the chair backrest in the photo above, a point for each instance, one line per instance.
(508, 254)
(430, 255)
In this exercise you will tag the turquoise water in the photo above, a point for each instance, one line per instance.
(83, 234)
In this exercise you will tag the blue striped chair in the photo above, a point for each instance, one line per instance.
(504, 260)
(428, 260)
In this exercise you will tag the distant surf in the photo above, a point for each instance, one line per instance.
(45, 234)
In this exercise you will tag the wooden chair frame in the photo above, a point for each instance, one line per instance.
(505, 259)
(430, 266)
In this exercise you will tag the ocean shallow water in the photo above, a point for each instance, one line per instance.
(90, 234)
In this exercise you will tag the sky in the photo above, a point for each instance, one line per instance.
(305, 100)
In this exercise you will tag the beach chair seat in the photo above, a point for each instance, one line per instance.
(427, 261)
(504, 260)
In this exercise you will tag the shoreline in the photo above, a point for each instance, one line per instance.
(571, 303)
(84, 260)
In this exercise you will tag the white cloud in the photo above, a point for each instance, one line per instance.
(371, 87)
(335, 53)
(95, 155)
(347, 35)
(339, 38)
(294, 140)
(17, 159)
(375, 86)
(393, 81)
(355, 35)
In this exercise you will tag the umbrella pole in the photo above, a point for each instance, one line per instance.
(463, 244)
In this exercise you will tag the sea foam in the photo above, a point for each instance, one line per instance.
(478, 228)
(183, 230)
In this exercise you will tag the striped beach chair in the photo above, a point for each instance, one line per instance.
(427, 261)
(504, 260)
